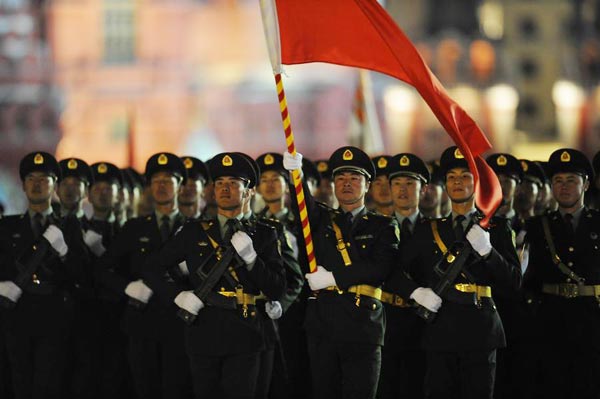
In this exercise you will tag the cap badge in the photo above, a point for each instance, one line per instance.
(348, 155)
(102, 168)
(38, 159)
(382, 163)
(227, 161)
(269, 160)
(322, 167)
(501, 161)
(404, 161)
(565, 157)
(162, 159)
(525, 166)
(188, 163)
(72, 164)
(458, 154)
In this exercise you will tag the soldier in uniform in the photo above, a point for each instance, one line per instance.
(430, 203)
(225, 339)
(190, 198)
(403, 364)
(41, 257)
(592, 195)
(105, 191)
(545, 201)
(73, 187)
(564, 274)
(155, 336)
(526, 195)
(510, 174)
(379, 192)
(461, 342)
(355, 250)
(136, 184)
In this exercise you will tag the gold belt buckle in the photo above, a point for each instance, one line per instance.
(568, 290)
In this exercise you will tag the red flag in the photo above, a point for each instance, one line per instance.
(360, 33)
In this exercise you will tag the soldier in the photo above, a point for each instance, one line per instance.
(325, 193)
(430, 203)
(136, 184)
(73, 187)
(311, 175)
(155, 336)
(354, 249)
(510, 174)
(592, 196)
(403, 362)
(273, 186)
(461, 342)
(564, 274)
(104, 193)
(41, 259)
(190, 198)
(379, 193)
(545, 202)
(225, 340)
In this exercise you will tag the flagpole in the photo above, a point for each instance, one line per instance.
(300, 199)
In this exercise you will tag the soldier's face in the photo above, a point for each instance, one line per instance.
(508, 185)
(568, 189)
(432, 195)
(350, 187)
(272, 186)
(230, 192)
(325, 192)
(191, 192)
(164, 187)
(380, 191)
(406, 192)
(39, 187)
(71, 191)
(460, 185)
(525, 195)
(103, 195)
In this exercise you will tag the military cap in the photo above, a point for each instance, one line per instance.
(381, 164)
(410, 165)
(310, 170)
(254, 178)
(533, 172)
(39, 162)
(323, 168)
(435, 172)
(75, 167)
(506, 164)
(233, 164)
(570, 160)
(452, 158)
(105, 171)
(596, 163)
(271, 161)
(350, 158)
(196, 169)
(165, 162)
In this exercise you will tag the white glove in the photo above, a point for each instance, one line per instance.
(322, 278)
(184, 269)
(94, 242)
(273, 309)
(427, 298)
(479, 240)
(187, 300)
(56, 239)
(10, 290)
(243, 246)
(291, 162)
(138, 290)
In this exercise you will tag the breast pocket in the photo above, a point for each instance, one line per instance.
(364, 243)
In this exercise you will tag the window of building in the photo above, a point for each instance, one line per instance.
(119, 31)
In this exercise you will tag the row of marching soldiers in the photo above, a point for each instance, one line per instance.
(222, 304)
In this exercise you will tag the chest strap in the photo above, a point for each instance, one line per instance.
(218, 252)
(437, 238)
(341, 244)
(555, 258)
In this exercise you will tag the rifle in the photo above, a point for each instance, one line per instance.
(448, 268)
(27, 269)
(208, 281)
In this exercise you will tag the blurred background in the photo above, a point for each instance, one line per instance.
(118, 80)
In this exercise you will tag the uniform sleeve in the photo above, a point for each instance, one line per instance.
(267, 273)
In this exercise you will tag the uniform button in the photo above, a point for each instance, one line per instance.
(374, 306)
(570, 264)
(571, 249)
(143, 249)
(529, 301)
(364, 246)
(568, 280)
(201, 254)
